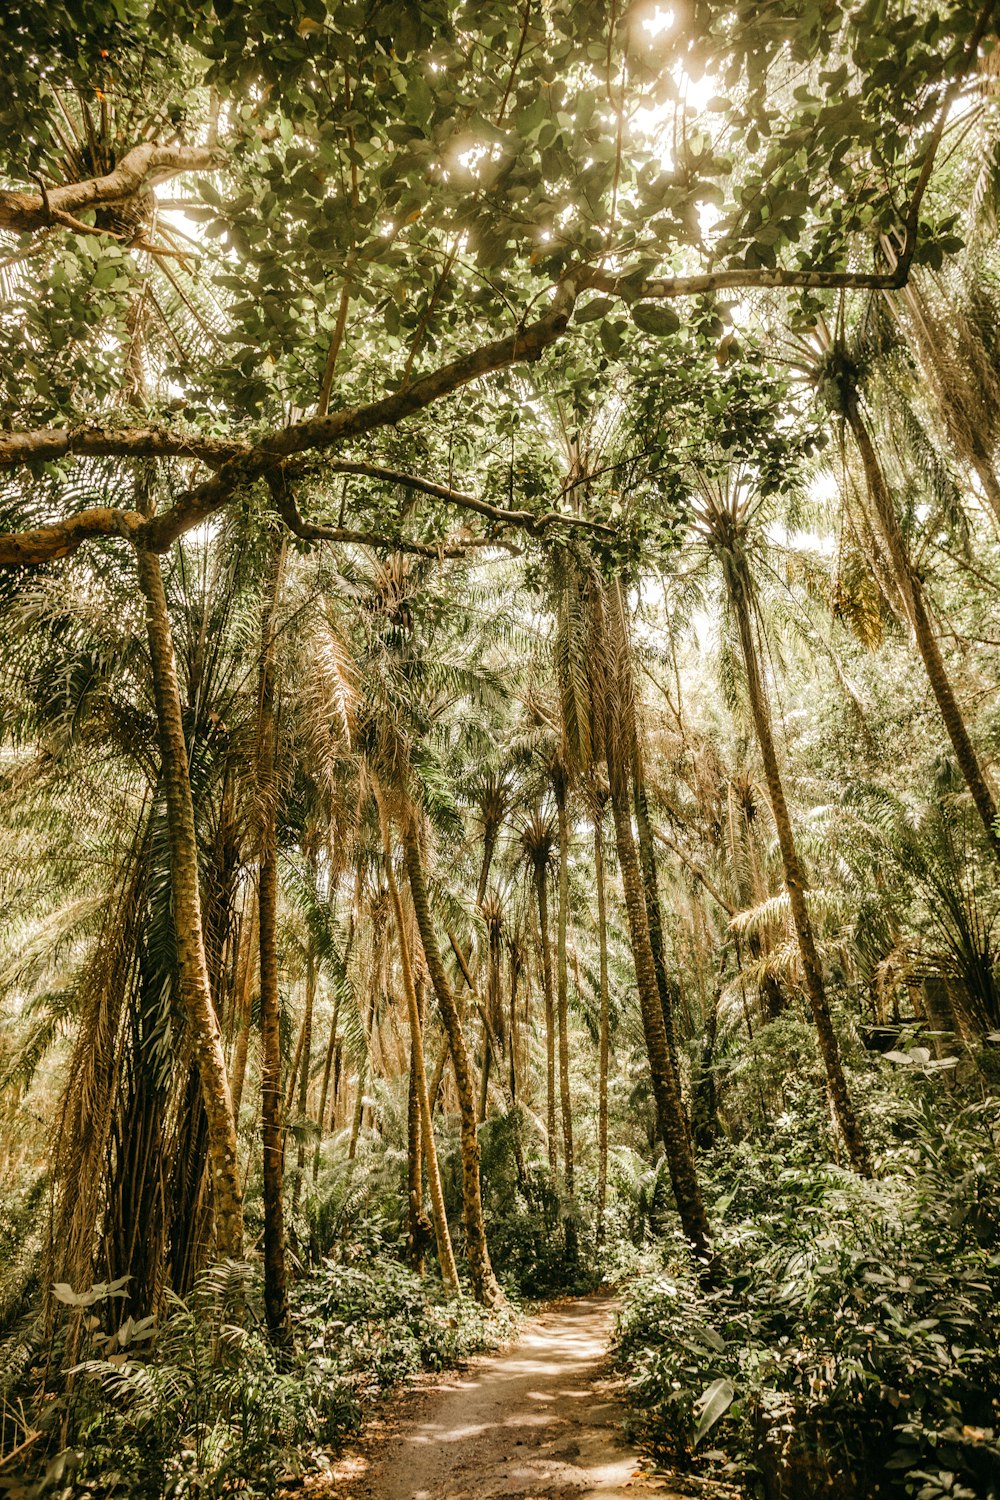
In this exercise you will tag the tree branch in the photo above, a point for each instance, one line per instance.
(321, 432)
(62, 538)
(139, 169)
(284, 504)
(45, 444)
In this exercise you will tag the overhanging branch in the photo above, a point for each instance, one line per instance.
(139, 169)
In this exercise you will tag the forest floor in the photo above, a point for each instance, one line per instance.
(539, 1420)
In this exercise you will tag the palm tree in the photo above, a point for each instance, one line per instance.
(728, 505)
(272, 1128)
(418, 1073)
(196, 994)
(538, 840)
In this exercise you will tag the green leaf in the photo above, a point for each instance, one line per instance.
(597, 307)
(652, 318)
(714, 1403)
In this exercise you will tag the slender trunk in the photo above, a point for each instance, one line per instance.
(359, 1100)
(331, 1049)
(562, 999)
(425, 1128)
(272, 1125)
(602, 1074)
(293, 1072)
(671, 1120)
(670, 1117)
(484, 1284)
(510, 1103)
(484, 1080)
(437, 1077)
(248, 965)
(541, 892)
(796, 885)
(654, 910)
(414, 1164)
(912, 590)
(305, 1069)
(489, 847)
(196, 995)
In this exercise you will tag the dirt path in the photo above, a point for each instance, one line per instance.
(537, 1421)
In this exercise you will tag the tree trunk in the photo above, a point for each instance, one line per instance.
(247, 969)
(670, 1117)
(541, 893)
(414, 1164)
(331, 1049)
(562, 997)
(305, 1068)
(602, 1073)
(196, 996)
(612, 646)
(910, 586)
(654, 910)
(272, 1125)
(509, 1099)
(484, 1283)
(446, 1255)
(795, 883)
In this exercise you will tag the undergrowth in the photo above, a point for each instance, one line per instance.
(852, 1347)
(200, 1404)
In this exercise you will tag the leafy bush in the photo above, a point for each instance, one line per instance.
(201, 1404)
(854, 1348)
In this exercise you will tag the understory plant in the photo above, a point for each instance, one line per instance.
(853, 1348)
(201, 1403)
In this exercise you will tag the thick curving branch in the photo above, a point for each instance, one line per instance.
(95, 440)
(42, 544)
(139, 170)
(322, 432)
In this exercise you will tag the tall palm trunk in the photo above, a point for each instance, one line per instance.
(912, 590)
(305, 1067)
(602, 1073)
(612, 646)
(542, 897)
(272, 1125)
(670, 1117)
(654, 910)
(446, 1255)
(248, 945)
(414, 1161)
(489, 849)
(196, 995)
(505, 1086)
(562, 998)
(484, 1283)
(324, 1095)
(795, 884)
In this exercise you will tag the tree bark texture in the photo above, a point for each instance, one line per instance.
(425, 1124)
(542, 896)
(484, 1283)
(272, 1123)
(795, 883)
(604, 1048)
(562, 997)
(196, 996)
(912, 590)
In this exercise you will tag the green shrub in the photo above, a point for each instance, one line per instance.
(854, 1348)
(201, 1404)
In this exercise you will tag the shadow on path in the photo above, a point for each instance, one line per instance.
(535, 1420)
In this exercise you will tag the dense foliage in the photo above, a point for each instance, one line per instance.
(499, 558)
